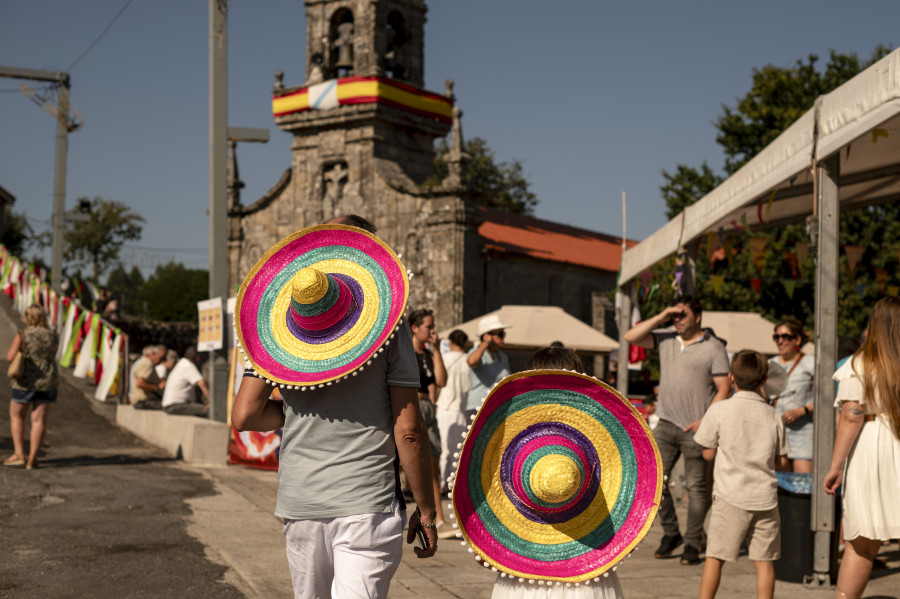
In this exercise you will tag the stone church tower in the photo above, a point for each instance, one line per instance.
(363, 133)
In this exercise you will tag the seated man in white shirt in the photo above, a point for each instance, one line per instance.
(179, 396)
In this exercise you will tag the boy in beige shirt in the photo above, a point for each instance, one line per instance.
(746, 438)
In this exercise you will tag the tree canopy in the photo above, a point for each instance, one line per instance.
(18, 235)
(501, 185)
(97, 242)
(126, 287)
(172, 292)
(776, 276)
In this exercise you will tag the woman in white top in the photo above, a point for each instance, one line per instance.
(866, 456)
(451, 403)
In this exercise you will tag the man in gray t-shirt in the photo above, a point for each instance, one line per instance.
(693, 374)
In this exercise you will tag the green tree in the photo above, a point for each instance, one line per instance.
(172, 292)
(124, 287)
(97, 243)
(777, 97)
(494, 184)
(18, 235)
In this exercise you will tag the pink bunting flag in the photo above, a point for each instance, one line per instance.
(645, 277)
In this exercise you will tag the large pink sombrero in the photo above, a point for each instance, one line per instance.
(558, 479)
(320, 304)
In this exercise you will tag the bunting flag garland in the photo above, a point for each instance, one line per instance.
(69, 353)
(802, 252)
(893, 290)
(881, 275)
(793, 264)
(854, 254)
(755, 283)
(716, 281)
(68, 325)
(758, 251)
(860, 289)
(110, 368)
(789, 286)
(645, 277)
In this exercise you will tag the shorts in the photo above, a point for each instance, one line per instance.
(431, 425)
(729, 526)
(28, 395)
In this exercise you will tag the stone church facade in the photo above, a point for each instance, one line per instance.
(363, 129)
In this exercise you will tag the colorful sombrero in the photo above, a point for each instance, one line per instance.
(319, 304)
(558, 479)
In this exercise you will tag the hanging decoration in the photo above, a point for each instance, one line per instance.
(716, 281)
(758, 251)
(755, 283)
(789, 286)
(854, 254)
(881, 275)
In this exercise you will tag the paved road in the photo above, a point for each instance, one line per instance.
(107, 516)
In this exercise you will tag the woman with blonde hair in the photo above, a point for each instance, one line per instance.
(36, 387)
(866, 457)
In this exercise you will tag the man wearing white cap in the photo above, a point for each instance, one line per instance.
(489, 365)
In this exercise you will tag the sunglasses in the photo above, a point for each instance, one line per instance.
(679, 315)
(785, 337)
(500, 333)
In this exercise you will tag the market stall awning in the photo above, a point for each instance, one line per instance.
(860, 120)
(533, 327)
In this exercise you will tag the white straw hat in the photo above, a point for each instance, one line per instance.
(490, 323)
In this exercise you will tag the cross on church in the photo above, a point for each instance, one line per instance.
(335, 177)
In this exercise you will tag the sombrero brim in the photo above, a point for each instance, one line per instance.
(380, 283)
(534, 414)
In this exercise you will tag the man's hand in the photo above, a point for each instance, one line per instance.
(692, 426)
(430, 535)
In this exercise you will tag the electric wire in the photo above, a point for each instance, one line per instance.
(99, 37)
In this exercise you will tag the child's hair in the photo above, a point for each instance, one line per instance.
(749, 369)
(553, 358)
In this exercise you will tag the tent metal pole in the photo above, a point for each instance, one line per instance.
(827, 238)
(624, 323)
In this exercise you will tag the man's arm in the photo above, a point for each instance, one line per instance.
(253, 410)
(205, 389)
(474, 359)
(709, 454)
(144, 384)
(723, 388)
(641, 334)
(415, 457)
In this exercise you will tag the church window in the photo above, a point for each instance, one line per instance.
(395, 34)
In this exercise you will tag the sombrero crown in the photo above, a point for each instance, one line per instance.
(558, 479)
(320, 304)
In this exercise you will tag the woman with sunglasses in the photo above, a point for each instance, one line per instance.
(795, 403)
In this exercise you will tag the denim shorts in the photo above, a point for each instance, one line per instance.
(29, 395)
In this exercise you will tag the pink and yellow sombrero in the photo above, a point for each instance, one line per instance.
(319, 304)
(558, 479)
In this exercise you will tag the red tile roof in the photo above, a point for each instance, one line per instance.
(545, 240)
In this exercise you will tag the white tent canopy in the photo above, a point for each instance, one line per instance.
(860, 120)
(534, 327)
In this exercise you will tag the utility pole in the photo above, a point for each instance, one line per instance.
(218, 202)
(62, 149)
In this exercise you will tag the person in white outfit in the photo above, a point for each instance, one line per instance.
(451, 402)
(866, 457)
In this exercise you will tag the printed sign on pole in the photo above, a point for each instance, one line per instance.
(211, 329)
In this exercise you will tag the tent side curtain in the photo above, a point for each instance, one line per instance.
(846, 114)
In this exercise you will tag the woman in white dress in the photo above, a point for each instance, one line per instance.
(866, 456)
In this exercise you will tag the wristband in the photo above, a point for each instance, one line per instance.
(805, 410)
(429, 525)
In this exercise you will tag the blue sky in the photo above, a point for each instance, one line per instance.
(595, 98)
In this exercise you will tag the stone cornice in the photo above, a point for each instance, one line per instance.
(267, 199)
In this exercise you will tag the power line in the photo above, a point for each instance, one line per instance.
(102, 33)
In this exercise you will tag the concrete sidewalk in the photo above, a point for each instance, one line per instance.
(238, 529)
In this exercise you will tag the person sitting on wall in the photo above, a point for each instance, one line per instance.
(179, 396)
